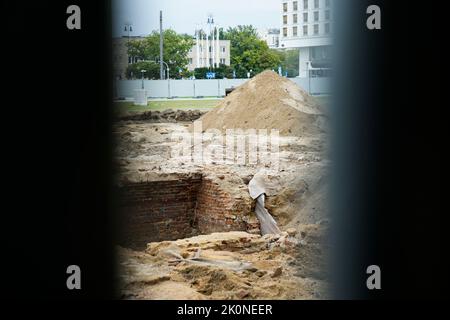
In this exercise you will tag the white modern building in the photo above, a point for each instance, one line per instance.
(270, 36)
(307, 25)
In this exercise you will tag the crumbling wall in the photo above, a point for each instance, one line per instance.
(156, 211)
(180, 208)
(219, 211)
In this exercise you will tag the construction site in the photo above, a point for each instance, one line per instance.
(223, 227)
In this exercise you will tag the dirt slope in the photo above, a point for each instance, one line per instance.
(267, 101)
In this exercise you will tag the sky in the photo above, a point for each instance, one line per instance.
(184, 15)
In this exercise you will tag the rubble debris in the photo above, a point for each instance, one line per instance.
(168, 115)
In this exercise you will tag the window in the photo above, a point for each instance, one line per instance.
(320, 53)
(295, 18)
(190, 60)
(294, 31)
(305, 17)
(316, 16)
(285, 7)
(223, 49)
(305, 30)
(222, 61)
(284, 32)
(295, 4)
(130, 60)
(316, 4)
(327, 15)
(284, 19)
(327, 3)
(327, 28)
(316, 29)
(305, 4)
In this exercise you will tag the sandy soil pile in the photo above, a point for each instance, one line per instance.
(267, 101)
(232, 265)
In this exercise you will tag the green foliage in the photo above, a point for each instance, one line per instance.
(223, 71)
(248, 52)
(151, 70)
(176, 48)
(289, 61)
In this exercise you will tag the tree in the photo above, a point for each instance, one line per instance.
(176, 48)
(289, 61)
(223, 71)
(248, 52)
(151, 70)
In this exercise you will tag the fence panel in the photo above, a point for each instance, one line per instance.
(181, 88)
(205, 88)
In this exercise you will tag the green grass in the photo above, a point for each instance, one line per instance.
(127, 106)
(204, 105)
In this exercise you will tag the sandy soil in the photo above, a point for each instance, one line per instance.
(232, 265)
(238, 265)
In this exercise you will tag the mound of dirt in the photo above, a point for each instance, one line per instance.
(267, 101)
(167, 115)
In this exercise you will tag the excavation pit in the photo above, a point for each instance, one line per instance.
(172, 209)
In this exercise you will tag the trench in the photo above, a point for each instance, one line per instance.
(174, 209)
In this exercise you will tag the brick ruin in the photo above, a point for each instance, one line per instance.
(174, 209)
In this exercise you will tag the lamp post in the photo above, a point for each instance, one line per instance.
(168, 77)
(128, 28)
(142, 74)
(167, 67)
(308, 66)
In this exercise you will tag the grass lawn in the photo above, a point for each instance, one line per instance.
(127, 106)
(205, 105)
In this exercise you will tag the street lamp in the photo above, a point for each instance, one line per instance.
(128, 28)
(167, 67)
(142, 74)
(168, 78)
(168, 75)
(308, 66)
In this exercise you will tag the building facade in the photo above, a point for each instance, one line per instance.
(271, 37)
(197, 55)
(120, 57)
(209, 54)
(308, 26)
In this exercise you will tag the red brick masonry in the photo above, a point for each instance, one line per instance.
(176, 209)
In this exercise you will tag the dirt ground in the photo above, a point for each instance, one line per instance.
(233, 265)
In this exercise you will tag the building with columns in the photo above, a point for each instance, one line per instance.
(209, 54)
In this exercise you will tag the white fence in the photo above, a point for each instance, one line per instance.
(124, 89)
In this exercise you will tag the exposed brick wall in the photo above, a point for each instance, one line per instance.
(219, 211)
(176, 209)
(156, 211)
